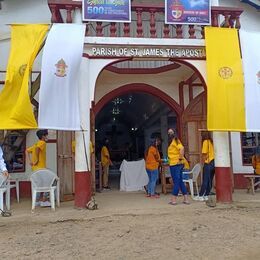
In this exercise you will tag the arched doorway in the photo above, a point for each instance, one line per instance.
(130, 117)
(174, 84)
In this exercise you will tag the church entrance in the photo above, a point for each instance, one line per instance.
(163, 95)
(130, 121)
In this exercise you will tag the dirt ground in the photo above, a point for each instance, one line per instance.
(131, 226)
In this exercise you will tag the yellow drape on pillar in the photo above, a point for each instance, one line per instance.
(225, 82)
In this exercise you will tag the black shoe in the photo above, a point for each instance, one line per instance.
(212, 193)
(107, 188)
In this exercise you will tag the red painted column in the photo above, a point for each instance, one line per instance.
(223, 171)
(83, 184)
(223, 184)
(82, 189)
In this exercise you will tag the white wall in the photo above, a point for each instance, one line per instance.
(238, 167)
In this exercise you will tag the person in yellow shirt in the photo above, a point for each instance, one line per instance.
(208, 167)
(105, 162)
(37, 158)
(256, 163)
(176, 163)
(152, 160)
(37, 152)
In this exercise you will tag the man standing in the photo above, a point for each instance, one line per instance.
(106, 162)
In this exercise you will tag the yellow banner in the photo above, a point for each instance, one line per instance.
(15, 107)
(225, 84)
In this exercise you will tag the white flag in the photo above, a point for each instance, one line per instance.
(250, 43)
(59, 98)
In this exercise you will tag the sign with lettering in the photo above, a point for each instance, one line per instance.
(187, 12)
(191, 52)
(107, 10)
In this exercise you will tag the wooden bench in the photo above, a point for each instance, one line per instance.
(251, 182)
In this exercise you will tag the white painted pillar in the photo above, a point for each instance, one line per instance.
(81, 162)
(222, 167)
(77, 16)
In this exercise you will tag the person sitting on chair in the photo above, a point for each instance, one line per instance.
(37, 158)
(3, 168)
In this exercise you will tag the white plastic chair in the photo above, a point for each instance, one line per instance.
(195, 174)
(44, 181)
(3, 189)
(14, 184)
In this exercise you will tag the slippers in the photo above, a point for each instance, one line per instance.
(172, 203)
(186, 202)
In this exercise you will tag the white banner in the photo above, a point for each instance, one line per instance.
(250, 43)
(59, 90)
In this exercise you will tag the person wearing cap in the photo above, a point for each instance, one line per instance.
(176, 163)
(152, 160)
(3, 168)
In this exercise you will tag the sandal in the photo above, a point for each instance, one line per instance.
(155, 196)
(172, 203)
(186, 202)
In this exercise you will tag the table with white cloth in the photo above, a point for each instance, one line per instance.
(133, 175)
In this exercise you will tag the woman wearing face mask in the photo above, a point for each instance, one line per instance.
(176, 163)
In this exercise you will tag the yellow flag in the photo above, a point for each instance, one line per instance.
(15, 107)
(225, 84)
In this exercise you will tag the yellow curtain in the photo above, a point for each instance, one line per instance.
(225, 82)
(15, 107)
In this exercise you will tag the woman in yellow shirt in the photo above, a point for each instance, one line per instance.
(152, 160)
(176, 163)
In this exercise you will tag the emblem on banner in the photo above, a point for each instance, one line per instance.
(177, 9)
(22, 69)
(258, 77)
(61, 68)
(225, 72)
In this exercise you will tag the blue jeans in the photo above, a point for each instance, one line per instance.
(153, 176)
(178, 184)
(208, 175)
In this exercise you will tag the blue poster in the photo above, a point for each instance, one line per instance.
(107, 10)
(187, 12)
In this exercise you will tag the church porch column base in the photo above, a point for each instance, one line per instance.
(223, 184)
(82, 189)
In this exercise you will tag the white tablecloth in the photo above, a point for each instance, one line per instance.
(133, 175)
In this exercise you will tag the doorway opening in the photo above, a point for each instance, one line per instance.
(130, 121)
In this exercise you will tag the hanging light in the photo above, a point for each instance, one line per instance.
(117, 101)
(116, 111)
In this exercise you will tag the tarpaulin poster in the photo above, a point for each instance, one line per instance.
(107, 10)
(187, 12)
